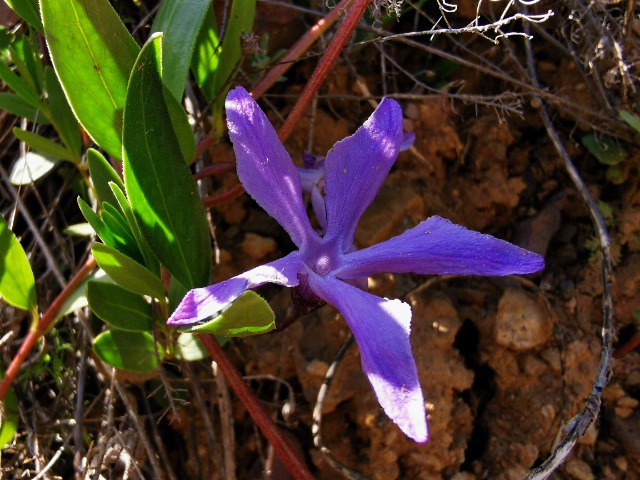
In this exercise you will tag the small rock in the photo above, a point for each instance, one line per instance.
(633, 379)
(317, 368)
(623, 412)
(257, 246)
(579, 470)
(463, 476)
(622, 463)
(627, 402)
(521, 322)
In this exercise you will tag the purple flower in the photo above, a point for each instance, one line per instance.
(328, 266)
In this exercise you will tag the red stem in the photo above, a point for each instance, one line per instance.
(218, 198)
(324, 67)
(628, 346)
(297, 468)
(43, 325)
(298, 48)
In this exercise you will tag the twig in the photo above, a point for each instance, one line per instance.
(324, 67)
(43, 326)
(579, 424)
(285, 450)
(226, 424)
(78, 441)
(316, 426)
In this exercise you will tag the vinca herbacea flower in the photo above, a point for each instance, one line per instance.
(328, 267)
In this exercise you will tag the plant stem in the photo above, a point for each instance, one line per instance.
(324, 67)
(45, 323)
(297, 468)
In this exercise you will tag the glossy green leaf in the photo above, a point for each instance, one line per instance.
(98, 225)
(131, 351)
(213, 61)
(19, 86)
(15, 105)
(126, 272)
(180, 22)
(45, 146)
(30, 167)
(79, 230)
(607, 150)
(28, 11)
(9, 417)
(93, 54)
(189, 348)
(17, 284)
(160, 188)
(632, 120)
(118, 307)
(62, 117)
(250, 314)
(25, 54)
(101, 173)
(150, 261)
(121, 231)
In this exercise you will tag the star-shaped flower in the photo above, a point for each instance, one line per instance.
(328, 267)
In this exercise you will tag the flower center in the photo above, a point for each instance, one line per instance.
(322, 265)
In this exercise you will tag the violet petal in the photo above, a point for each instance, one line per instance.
(356, 167)
(437, 246)
(201, 303)
(264, 166)
(381, 328)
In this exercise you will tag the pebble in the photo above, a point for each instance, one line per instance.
(257, 246)
(578, 470)
(521, 322)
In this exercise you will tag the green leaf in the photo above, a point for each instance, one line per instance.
(28, 10)
(93, 54)
(98, 225)
(131, 351)
(632, 120)
(45, 146)
(127, 273)
(79, 230)
(250, 314)
(121, 231)
(31, 167)
(61, 115)
(101, 173)
(150, 261)
(607, 150)
(9, 417)
(118, 307)
(17, 285)
(214, 62)
(180, 21)
(19, 86)
(17, 106)
(189, 348)
(160, 188)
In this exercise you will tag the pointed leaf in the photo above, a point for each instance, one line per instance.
(180, 21)
(19, 86)
(30, 168)
(61, 115)
(189, 348)
(28, 10)
(17, 284)
(160, 188)
(126, 272)
(101, 173)
(45, 146)
(118, 307)
(607, 150)
(93, 54)
(631, 119)
(17, 106)
(250, 314)
(119, 228)
(131, 351)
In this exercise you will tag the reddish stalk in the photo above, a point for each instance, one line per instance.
(324, 67)
(45, 323)
(298, 48)
(214, 169)
(628, 346)
(218, 198)
(296, 467)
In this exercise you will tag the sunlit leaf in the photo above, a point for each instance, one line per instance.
(61, 115)
(180, 21)
(17, 284)
(189, 348)
(131, 351)
(159, 185)
(101, 173)
(118, 307)
(250, 314)
(30, 167)
(79, 230)
(126, 272)
(93, 54)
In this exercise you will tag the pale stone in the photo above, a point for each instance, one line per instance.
(521, 322)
